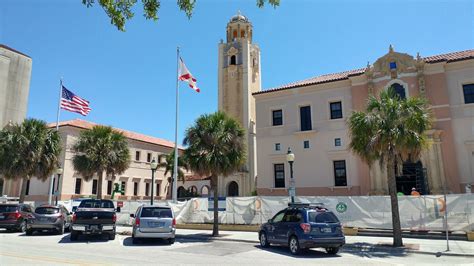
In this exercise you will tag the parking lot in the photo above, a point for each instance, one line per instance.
(43, 248)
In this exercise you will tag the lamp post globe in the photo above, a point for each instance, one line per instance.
(153, 166)
(290, 158)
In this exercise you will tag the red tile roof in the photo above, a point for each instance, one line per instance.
(13, 50)
(196, 177)
(449, 57)
(79, 123)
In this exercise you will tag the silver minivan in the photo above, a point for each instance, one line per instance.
(153, 222)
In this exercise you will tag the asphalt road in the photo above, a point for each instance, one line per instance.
(17, 248)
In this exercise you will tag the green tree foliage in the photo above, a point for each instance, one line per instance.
(392, 131)
(119, 11)
(166, 161)
(27, 150)
(98, 151)
(215, 148)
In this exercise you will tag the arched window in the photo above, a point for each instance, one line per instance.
(204, 191)
(193, 189)
(399, 90)
(233, 189)
(233, 60)
(181, 192)
(242, 34)
(234, 35)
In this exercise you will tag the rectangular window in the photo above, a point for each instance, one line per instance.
(124, 187)
(277, 146)
(148, 157)
(468, 90)
(277, 117)
(94, 187)
(279, 175)
(147, 189)
(340, 173)
(109, 187)
(137, 156)
(27, 187)
(306, 144)
(77, 187)
(305, 118)
(157, 193)
(336, 110)
(337, 142)
(135, 188)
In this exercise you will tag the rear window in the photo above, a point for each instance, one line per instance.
(8, 208)
(46, 210)
(96, 204)
(156, 212)
(322, 217)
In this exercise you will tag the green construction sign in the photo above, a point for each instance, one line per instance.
(341, 207)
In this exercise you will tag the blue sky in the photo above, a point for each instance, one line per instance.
(129, 77)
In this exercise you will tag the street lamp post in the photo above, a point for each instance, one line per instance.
(153, 166)
(290, 158)
(59, 172)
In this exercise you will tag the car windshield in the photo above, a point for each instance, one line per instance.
(96, 204)
(8, 208)
(156, 212)
(47, 210)
(322, 217)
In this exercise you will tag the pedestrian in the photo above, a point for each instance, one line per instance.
(415, 193)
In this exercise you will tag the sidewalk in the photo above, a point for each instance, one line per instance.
(353, 243)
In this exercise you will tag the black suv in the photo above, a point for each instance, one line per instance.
(302, 226)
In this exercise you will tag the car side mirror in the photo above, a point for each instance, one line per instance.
(74, 209)
(132, 215)
(117, 209)
(269, 221)
(70, 213)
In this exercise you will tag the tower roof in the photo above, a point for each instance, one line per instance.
(239, 17)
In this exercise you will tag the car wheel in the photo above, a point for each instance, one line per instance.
(171, 241)
(112, 236)
(68, 228)
(264, 240)
(74, 235)
(294, 245)
(60, 230)
(29, 232)
(22, 227)
(332, 251)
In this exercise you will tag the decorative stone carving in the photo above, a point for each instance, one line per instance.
(369, 73)
(420, 66)
(402, 63)
(232, 51)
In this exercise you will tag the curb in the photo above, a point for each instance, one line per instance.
(348, 247)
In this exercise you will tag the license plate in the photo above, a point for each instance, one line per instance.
(43, 219)
(94, 227)
(154, 224)
(326, 229)
(2, 217)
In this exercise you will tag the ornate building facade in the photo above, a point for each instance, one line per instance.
(310, 117)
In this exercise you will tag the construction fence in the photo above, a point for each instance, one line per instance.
(416, 213)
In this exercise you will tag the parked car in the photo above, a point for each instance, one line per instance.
(94, 217)
(14, 216)
(303, 226)
(52, 218)
(153, 222)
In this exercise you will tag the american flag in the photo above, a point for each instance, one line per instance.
(74, 103)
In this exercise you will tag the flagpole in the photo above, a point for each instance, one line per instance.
(51, 184)
(175, 167)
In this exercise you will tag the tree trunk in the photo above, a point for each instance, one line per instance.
(100, 177)
(23, 189)
(215, 227)
(392, 190)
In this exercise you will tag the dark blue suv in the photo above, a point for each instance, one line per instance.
(302, 226)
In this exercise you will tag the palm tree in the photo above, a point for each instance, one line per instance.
(29, 149)
(392, 130)
(101, 150)
(215, 148)
(166, 161)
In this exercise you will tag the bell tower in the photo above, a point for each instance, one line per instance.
(238, 78)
